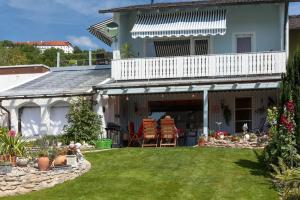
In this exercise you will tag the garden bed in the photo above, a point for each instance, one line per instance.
(26, 179)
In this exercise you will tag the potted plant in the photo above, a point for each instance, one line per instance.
(12, 145)
(71, 155)
(201, 141)
(61, 158)
(43, 160)
(5, 167)
(235, 138)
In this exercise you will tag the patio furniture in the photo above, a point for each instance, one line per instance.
(168, 132)
(150, 133)
(133, 137)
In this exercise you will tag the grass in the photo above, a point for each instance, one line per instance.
(180, 173)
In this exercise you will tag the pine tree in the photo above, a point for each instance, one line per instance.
(291, 87)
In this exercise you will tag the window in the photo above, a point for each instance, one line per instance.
(243, 113)
(201, 47)
(244, 43)
(172, 48)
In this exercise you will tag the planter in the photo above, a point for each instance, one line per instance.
(13, 160)
(72, 160)
(60, 160)
(104, 144)
(43, 163)
(5, 169)
(201, 142)
(22, 162)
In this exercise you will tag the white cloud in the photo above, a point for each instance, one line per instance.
(82, 41)
(84, 7)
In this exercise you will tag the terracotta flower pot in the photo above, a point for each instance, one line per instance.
(60, 160)
(201, 142)
(13, 161)
(43, 163)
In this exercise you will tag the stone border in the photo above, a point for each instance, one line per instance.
(27, 179)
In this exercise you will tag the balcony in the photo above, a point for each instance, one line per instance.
(223, 65)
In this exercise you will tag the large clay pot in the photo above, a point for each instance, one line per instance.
(201, 142)
(60, 160)
(43, 163)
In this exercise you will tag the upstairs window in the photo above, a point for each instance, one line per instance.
(172, 48)
(244, 43)
(201, 47)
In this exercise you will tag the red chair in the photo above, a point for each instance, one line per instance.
(133, 137)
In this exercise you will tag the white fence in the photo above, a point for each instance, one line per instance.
(199, 66)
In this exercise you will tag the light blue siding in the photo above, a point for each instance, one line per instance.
(262, 20)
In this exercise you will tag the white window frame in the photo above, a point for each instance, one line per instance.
(244, 34)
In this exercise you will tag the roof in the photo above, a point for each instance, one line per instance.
(294, 22)
(61, 81)
(46, 43)
(23, 69)
(203, 3)
(186, 82)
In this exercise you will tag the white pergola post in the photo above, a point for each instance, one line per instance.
(205, 113)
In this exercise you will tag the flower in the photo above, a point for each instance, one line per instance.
(290, 105)
(12, 133)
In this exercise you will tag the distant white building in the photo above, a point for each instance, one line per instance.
(66, 46)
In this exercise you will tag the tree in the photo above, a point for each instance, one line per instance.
(32, 53)
(83, 123)
(49, 57)
(12, 56)
(291, 87)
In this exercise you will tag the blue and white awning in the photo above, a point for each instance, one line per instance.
(176, 24)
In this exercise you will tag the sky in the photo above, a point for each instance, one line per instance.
(40, 20)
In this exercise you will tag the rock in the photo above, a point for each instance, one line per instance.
(26, 179)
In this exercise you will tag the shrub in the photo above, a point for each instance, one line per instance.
(282, 136)
(83, 123)
(287, 180)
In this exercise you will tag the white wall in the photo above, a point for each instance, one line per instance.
(44, 104)
(10, 81)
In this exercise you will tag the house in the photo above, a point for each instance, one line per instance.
(210, 64)
(13, 76)
(294, 33)
(66, 46)
(40, 106)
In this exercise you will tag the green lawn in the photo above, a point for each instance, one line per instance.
(168, 173)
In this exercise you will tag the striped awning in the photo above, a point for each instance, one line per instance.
(185, 23)
(100, 31)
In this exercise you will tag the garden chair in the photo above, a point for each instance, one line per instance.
(150, 133)
(133, 137)
(168, 132)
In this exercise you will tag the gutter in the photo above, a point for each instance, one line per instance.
(8, 115)
(45, 96)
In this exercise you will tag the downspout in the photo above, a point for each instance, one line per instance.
(8, 115)
(285, 33)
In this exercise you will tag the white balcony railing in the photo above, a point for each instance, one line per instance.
(199, 66)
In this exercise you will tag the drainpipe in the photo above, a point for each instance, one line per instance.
(8, 115)
(286, 31)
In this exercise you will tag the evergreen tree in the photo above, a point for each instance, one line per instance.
(291, 87)
(83, 123)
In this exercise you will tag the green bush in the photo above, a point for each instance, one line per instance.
(83, 123)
